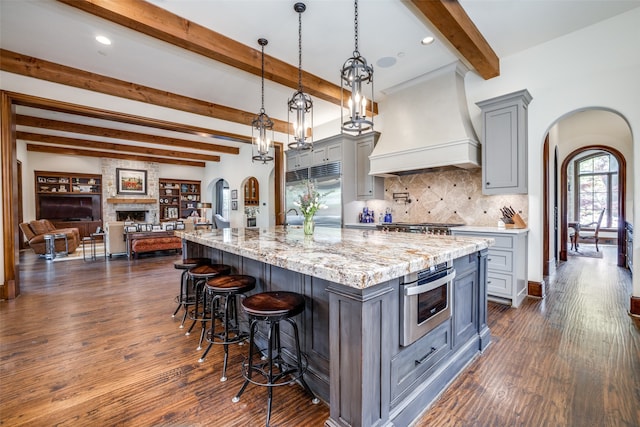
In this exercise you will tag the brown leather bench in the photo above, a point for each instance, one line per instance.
(152, 244)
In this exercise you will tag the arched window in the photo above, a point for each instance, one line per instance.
(597, 188)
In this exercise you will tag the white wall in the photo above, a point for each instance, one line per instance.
(236, 170)
(594, 67)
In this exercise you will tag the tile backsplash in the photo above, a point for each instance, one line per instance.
(450, 196)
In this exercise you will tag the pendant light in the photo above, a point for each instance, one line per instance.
(355, 74)
(262, 125)
(300, 104)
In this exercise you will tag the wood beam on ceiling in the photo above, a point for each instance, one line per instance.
(38, 122)
(91, 153)
(84, 143)
(161, 24)
(17, 63)
(115, 116)
(451, 20)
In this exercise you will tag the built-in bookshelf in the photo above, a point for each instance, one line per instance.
(178, 198)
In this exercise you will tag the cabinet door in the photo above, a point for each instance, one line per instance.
(504, 143)
(293, 160)
(367, 186)
(465, 317)
(326, 154)
(501, 149)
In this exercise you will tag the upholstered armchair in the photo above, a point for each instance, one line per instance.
(114, 240)
(34, 232)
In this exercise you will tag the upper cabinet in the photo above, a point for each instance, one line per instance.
(367, 186)
(504, 143)
(298, 159)
(326, 153)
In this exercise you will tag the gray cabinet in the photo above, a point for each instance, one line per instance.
(504, 143)
(367, 186)
(506, 264)
(298, 159)
(326, 153)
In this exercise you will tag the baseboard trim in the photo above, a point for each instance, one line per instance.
(536, 289)
(634, 306)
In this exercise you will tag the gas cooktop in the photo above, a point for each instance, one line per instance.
(418, 227)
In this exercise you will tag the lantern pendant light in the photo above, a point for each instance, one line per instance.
(262, 125)
(356, 76)
(300, 104)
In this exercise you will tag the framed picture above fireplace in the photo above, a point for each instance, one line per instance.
(131, 181)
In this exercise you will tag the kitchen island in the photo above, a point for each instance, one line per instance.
(352, 282)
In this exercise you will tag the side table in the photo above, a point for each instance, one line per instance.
(50, 245)
(91, 239)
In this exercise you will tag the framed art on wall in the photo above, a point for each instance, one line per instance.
(234, 205)
(131, 181)
(234, 194)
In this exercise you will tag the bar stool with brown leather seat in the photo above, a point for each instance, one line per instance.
(223, 292)
(186, 297)
(273, 367)
(200, 312)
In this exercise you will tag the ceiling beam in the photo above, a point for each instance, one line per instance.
(91, 153)
(17, 63)
(116, 116)
(454, 24)
(38, 122)
(85, 143)
(161, 24)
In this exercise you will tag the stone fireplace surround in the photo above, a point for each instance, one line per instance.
(109, 210)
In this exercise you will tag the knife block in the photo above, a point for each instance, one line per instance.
(518, 222)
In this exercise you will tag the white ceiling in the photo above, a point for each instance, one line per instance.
(388, 30)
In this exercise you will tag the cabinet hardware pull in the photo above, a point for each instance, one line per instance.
(488, 183)
(421, 361)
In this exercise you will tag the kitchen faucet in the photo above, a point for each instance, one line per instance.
(292, 209)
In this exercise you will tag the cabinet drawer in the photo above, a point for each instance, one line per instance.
(500, 260)
(414, 361)
(503, 242)
(499, 284)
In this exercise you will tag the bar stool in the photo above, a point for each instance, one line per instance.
(274, 370)
(186, 297)
(226, 289)
(199, 275)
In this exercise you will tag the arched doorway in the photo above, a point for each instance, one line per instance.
(573, 133)
(616, 205)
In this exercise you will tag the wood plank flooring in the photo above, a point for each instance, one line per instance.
(93, 343)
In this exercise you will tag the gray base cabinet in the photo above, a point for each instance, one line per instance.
(351, 337)
(506, 263)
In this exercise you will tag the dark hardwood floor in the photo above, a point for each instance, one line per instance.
(93, 343)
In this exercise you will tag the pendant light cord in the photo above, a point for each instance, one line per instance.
(355, 52)
(262, 105)
(300, 51)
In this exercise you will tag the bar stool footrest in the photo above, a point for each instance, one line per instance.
(262, 368)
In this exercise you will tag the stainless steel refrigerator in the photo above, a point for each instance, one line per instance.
(330, 189)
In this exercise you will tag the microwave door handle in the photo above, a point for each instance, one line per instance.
(415, 290)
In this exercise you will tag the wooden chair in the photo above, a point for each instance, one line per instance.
(591, 236)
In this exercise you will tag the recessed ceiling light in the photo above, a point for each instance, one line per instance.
(427, 40)
(104, 40)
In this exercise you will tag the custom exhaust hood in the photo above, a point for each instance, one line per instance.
(427, 126)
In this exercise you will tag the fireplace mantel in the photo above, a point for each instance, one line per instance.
(120, 200)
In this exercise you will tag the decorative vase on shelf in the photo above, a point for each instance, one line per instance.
(308, 226)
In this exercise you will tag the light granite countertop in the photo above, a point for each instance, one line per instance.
(355, 258)
(480, 229)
